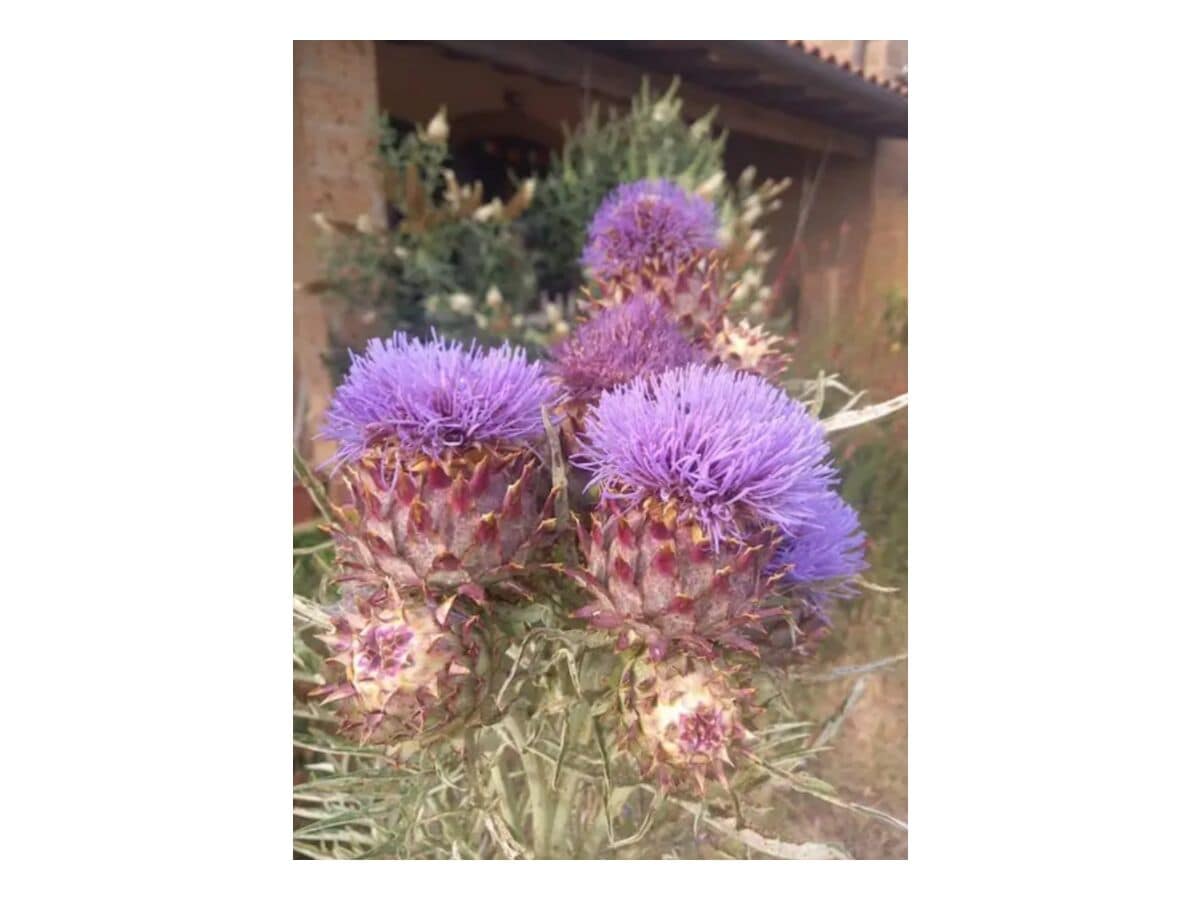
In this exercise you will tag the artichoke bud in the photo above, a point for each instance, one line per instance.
(439, 524)
(748, 348)
(684, 721)
(396, 674)
(657, 579)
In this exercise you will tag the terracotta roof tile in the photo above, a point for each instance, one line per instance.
(893, 85)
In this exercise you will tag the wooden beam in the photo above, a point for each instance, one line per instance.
(578, 66)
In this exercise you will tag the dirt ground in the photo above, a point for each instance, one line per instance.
(868, 761)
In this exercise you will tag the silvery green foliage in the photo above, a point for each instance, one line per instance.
(451, 260)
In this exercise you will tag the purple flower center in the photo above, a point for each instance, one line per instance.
(648, 221)
(702, 731)
(383, 651)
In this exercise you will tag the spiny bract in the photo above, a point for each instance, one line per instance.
(692, 292)
(440, 525)
(658, 582)
(749, 348)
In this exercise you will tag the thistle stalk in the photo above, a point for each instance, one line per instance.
(539, 798)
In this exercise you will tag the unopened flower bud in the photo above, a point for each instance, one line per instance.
(396, 671)
(438, 128)
(684, 722)
(749, 348)
(709, 187)
(488, 211)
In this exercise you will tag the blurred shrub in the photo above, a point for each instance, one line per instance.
(484, 269)
(447, 259)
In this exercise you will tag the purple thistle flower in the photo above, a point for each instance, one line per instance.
(648, 220)
(638, 337)
(435, 396)
(737, 453)
(826, 551)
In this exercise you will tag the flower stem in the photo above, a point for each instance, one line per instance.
(538, 797)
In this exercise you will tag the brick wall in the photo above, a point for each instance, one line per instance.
(335, 101)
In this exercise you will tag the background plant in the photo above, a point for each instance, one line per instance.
(449, 258)
(475, 267)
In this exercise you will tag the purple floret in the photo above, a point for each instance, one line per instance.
(648, 220)
(436, 396)
(827, 551)
(638, 337)
(736, 452)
